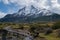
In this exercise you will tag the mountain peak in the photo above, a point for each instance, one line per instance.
(31, 14)
(27, 10)
(32, 10)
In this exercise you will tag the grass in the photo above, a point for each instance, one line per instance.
(49, 37)
(52, 38)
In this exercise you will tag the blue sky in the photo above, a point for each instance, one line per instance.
(12, 6)
(7, 8)
(4, 8)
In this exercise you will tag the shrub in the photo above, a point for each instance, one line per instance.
(56, 25)
(48, 31)
(58, 32)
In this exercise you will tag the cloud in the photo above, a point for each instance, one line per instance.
(10, 11)
(47, 4)
(5, 1)
(39, 3)
(55, 3)
(2, 14)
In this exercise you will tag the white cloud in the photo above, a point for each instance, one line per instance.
(55, 4)
(2, 14)
(11, 11)
(39, 3)
(47, 4)
(5, 1)
(27, 2)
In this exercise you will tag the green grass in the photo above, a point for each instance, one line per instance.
(49, 37)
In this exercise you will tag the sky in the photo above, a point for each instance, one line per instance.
(12, 6)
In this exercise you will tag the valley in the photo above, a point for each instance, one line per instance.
(37, 31)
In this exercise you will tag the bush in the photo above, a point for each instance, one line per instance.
(58, 32)
(32, 28)
(48, 31)
(21, 26)
(56, 25)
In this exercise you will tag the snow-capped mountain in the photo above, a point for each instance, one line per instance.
(33, 11)
(30, 14)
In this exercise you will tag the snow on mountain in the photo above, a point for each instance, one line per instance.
(31, 10)
(46, 12)
(31, 14)
(34, 10)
